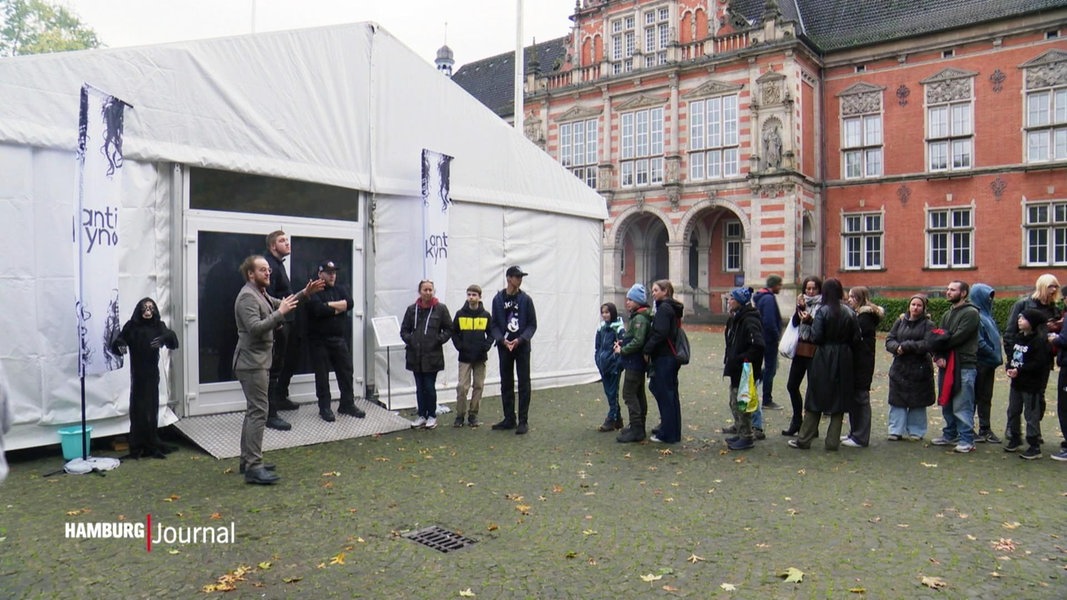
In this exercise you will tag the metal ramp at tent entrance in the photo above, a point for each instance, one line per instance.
(220, 435)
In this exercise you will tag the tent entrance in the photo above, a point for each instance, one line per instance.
(215, 247)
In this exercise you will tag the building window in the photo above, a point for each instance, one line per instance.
(623, 44)
(657, 29)
(862, 241)
(1045, 231)
(641, 143)
(713, 140)
(732, 243)
(950, 124)
(1046, 125)
(578, 149)
(950, 238)
(861, 133)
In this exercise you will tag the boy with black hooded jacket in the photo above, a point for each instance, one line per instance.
(1029, 364)
(470, 336)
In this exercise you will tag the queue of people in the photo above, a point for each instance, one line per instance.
(835, 350)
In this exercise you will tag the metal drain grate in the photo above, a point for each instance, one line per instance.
(439, 539)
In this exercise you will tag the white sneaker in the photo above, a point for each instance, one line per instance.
(420, 422)
(963, 448)
(431, 423)
(851, 443)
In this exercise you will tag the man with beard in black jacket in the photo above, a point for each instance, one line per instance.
(327, 321)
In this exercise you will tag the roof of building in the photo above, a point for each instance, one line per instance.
(829, 25)
(492, 80)
(841, 24)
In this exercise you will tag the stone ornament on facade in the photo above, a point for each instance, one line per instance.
(998, 186)
(949, 85)
(903, 193)
(997, 79)
(639, 201)
(771, 85)
(902, 95)
(1047, 70)
(712, 88)
(862, 98)
(675, 198)
(534, 131)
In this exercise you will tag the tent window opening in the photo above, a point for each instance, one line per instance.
(243, 193)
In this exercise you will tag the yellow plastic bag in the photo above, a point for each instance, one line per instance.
(747, 393)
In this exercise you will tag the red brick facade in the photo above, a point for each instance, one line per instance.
(775, 198)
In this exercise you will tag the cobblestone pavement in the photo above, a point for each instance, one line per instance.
(563, 512)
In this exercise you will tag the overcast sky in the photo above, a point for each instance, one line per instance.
(476, 28)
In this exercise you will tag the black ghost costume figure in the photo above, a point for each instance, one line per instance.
(143, 335)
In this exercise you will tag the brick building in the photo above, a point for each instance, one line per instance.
(896, 145)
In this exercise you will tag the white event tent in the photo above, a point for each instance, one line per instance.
(318, 132)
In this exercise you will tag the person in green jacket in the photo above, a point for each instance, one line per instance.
(634, 363)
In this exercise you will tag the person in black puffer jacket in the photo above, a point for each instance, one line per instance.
(744, 344)
(427, 326)
(911, 376)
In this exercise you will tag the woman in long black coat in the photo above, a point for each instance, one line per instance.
(911, 377)
(143, 335)
(831, 386)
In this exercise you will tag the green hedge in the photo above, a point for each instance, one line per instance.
(937, 307)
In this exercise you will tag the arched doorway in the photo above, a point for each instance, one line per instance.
(644, 256)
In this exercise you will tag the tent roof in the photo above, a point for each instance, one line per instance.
(345, 105)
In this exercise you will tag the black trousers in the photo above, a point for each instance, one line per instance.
(510, 362)
(332, 353)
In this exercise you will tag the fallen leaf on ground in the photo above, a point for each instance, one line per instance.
(263, 566)
(929, 465)
(331, 474)
(651, 577)
(338, 559)
(216, 516)
(291, 579)
(858, 590)
(670, 588)
(693, 558)
(1004, 545)
(172, 498)
(1012, 525)
(934, 582)
(729, 587)
(467, 593)
(792, 575)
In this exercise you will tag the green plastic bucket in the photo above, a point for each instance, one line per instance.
(70, 438)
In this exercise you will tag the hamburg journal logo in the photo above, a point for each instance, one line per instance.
(152, 534)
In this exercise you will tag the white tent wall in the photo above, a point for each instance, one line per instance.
(40, 341)
(561, 253)
(345, 105)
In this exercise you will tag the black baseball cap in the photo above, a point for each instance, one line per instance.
(516, 271)
(328, 265)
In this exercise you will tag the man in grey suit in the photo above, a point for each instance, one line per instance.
(257, 316)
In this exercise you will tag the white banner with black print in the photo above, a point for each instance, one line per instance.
(96, 229)
(436, 205)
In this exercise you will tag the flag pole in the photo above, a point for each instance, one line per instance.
(520, 67)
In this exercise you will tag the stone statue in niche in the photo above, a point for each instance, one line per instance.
(772, 148)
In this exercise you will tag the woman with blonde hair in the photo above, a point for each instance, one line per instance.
(1045, 299)
(868, 316)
